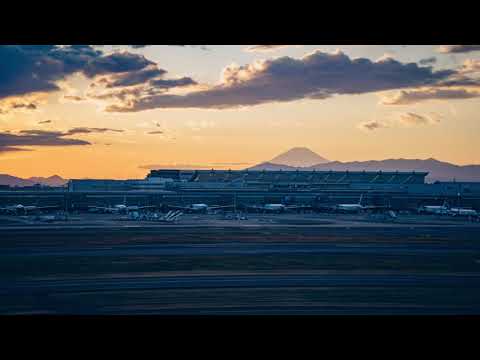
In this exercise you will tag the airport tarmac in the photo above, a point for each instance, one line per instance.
(265, 264)
(83, 221)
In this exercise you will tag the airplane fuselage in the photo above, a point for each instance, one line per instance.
(274, 207)
(434, 210)
(463, 212)
(354, 208)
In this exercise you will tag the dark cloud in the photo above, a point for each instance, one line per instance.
(428, 61)
(7, 107)
(148, 89)
(45, 122)
(315, 76)
(202, 47)
(30, 106)
(10, 141)
(264, 48)
(171, 83)
(31, 68)
(4, 149)
(371, 125)
(449, 49)
(87, 130)
(459, 82)
(136, 77)
(27, 69)
(121, 94)
(116, 63)
(410, 118)
(158, 132)
(74, 98)
(204, 166)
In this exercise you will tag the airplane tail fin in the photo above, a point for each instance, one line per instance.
(360, 200)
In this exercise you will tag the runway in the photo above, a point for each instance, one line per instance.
(241, 271)
(255, 293)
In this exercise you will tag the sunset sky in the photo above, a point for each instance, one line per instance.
(114, 111)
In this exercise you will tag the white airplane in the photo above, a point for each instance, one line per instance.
(435, 209)
(277, 207)
(200, 207)
(358, 207)
(463, 212)
(24, 209)
(52, 218)
(119, 208)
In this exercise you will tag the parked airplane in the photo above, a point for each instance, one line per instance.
(278, 208)
(463, 212)
(435, 209)
(52, 218)
(358, 207)
(200, 208)
(20, 209)
(119, 208)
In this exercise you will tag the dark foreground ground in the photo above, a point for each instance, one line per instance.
(228, 270)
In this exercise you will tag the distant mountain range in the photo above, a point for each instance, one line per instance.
(438, 170)
(302, 158)
(10, 180)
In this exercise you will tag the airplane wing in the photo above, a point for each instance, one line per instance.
(28, 208)
(146, 207)
(373, 207)
(253, 207)
(293, 207)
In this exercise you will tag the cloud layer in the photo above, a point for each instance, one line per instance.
(264, 48)
(371, 125)
(449, 49)
(407, 119)
(28, 69)
(408, 97)
(412, 119)
(10, 141)
(207, 166)
(317, 75)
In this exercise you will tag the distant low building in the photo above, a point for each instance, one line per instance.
(148, 184)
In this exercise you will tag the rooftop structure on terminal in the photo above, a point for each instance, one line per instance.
(290, 177)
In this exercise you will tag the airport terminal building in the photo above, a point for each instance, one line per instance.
(254, 180)
(403, 189)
